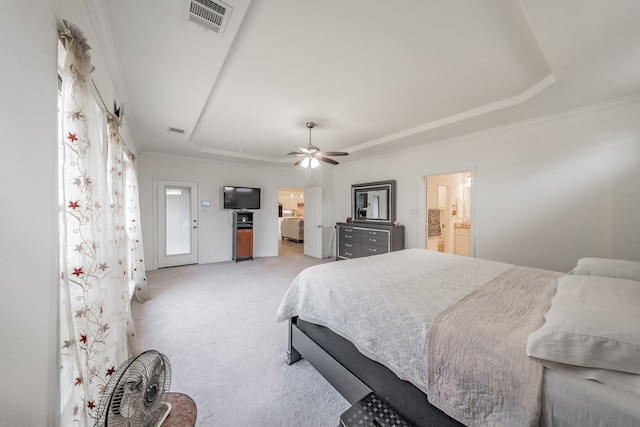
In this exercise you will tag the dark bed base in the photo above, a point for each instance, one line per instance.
(354, 376)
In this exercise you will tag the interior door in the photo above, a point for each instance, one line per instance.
(313, 228)
(177, 223)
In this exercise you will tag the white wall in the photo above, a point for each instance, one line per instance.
(215, 232)
(28, 214)
(545, 193)
(29, 206)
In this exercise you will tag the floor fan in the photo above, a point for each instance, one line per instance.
(136, 393)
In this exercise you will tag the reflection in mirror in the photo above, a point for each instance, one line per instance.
(373, 202)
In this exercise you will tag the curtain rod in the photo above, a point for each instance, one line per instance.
(66, 34)
(112, 115)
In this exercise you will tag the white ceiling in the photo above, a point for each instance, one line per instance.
(375, 76)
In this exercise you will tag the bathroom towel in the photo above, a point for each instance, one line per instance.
(434, 229)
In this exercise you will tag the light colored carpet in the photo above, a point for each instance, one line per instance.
(216, 324)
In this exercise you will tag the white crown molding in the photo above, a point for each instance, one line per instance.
(484, 109)
(390, 138)
(635, 98)
(498, 105)
(235, 154)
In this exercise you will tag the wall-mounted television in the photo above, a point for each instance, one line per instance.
(240, 198)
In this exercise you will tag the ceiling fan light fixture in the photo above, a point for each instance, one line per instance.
(312, 156)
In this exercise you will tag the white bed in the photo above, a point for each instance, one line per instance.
(432, 318)
(568, 400)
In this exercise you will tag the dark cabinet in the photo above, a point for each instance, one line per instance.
(359, 240)
(242, 236)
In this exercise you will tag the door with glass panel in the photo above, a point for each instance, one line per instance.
(177, 223)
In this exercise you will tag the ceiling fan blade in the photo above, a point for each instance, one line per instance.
(335, 153)
(309, 149)
(299, 161)
(295, 153)
(304, 150)
(327, 160)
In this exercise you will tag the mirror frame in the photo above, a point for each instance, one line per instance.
(390, 186)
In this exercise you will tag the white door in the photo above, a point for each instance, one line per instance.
(177, 223)
(313, 229)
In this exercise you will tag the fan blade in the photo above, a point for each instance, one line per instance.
(298, 162)
(295, 153)
(327, 160)
(335, 153)
(305, 150)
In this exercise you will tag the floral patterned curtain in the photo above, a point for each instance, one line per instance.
(95, 318)
(137, 276)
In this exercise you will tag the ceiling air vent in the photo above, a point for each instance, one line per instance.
(212, 15)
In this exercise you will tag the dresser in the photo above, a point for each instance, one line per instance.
(356, 240)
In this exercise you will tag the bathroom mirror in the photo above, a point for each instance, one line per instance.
(374, 202)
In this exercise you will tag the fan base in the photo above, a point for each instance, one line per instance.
(164, 416)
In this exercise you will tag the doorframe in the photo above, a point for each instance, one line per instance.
(156, 224)
(422, 204)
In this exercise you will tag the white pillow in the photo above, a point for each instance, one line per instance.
(605, 267)
(593, 322)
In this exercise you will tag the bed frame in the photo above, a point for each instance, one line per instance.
(354, 376)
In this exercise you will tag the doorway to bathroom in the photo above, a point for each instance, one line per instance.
(448, 214)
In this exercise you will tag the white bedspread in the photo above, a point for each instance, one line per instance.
(384, 304)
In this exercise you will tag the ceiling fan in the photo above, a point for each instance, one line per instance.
(312, 156)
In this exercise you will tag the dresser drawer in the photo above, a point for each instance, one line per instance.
(349, 245)
(379, 239)
(356, 241)
(372, 249)
(350, 251)
(350, 235)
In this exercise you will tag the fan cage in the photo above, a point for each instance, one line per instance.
(136, 393)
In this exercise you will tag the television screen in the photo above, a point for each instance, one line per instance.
(241, 198)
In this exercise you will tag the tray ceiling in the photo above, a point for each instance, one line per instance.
(375, 76)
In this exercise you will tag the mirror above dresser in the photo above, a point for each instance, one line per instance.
(372, 230)
(374, 202)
